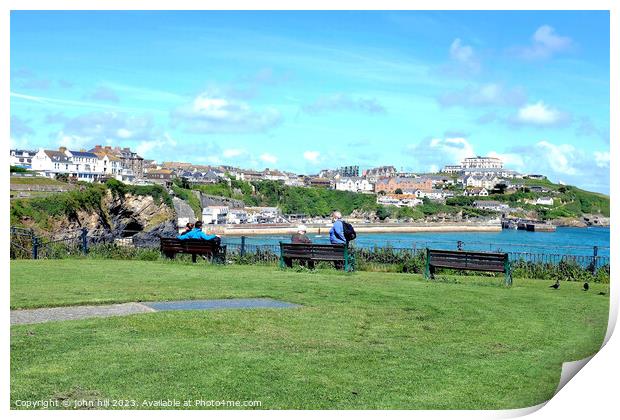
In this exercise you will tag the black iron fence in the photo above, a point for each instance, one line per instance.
(25, 244)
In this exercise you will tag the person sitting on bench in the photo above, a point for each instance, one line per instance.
(188, 228)
(300, 237)
(197, 233)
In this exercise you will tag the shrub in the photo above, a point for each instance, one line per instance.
(118, 252)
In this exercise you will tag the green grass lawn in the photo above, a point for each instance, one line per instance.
(36, 180)
(360, 341)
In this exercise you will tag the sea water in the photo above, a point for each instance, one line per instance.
(565, 240)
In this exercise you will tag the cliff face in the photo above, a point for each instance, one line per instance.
(136, 216)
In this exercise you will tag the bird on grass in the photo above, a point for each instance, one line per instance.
(556, 285)
(586, 287)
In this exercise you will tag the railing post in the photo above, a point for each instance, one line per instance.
(242, 251)
(35, 248)
(84, 241)
(594, 258)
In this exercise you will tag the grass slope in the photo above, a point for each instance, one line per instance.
(364, 340)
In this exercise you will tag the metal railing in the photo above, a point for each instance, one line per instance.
(26, 245)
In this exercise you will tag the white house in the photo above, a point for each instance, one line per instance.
(83, 166)
(215, 215)
(482, 162)
(476, 192)
(52, 162)
(274, 175)
(545, 201)
(297, 181)
(480, 181)
(237, 216)
(491, 205)
(22, 158)
(86, 165)
(399, 200)
(355, 184)
(490, 172)
(263, 214)
(108, 164)
(432, 194)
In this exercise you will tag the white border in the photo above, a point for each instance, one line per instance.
(593, 393)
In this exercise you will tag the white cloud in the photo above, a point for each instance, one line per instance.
(464, 55)
(312, 156)
(540, 114)
(73, 141)
(268, 158)
(488, 94)
(601, 159)
(231, 153)
(123, 133)
(214, 113)
(545, 43)
(19, 143)
(461, 52)
(344, 102)
(575, 166)
(146, 147)
(510, 160)
(432, 152)
(561, 158)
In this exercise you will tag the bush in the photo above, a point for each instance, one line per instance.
(566, 270)
(118, 252)
(158, 192)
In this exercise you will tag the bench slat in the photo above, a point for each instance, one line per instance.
(468, 260)
(313, 252)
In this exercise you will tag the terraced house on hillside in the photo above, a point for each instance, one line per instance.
(390, 185)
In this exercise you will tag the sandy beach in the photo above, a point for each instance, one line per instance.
(251, 230)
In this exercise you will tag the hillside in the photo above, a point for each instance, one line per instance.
(55, 212)
(113, 210)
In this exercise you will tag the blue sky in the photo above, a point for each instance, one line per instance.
(303, 91)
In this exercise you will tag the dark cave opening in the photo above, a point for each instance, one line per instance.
(131, 229)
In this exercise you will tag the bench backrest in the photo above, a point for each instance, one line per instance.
(189, 246)
(323, 252)
(468, 260)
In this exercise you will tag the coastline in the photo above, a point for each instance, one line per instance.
(257, 230)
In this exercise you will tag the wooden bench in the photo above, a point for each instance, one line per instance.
(468, 260)
(172, 246)
(312, 253)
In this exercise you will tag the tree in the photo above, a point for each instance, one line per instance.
(62, 177)
(382, 213)
(185, 183)
(398, 191)
(499, 189)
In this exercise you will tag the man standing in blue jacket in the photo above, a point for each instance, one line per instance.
(197, 233)
(336, 233)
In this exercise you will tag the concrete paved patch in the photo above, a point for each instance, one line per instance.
(35, 316)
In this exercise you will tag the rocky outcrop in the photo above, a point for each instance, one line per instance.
(595, 220)
(584, 221)
(151, 238)
(214, 200)
(568, 222)
(138, 216)
(183, 210)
